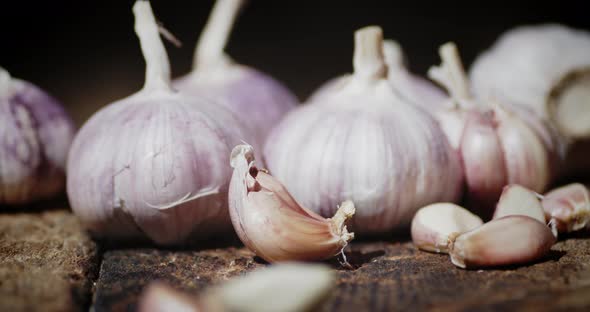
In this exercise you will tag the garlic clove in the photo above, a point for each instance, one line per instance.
(272, 224)
(158, 297)
(518, 200)
(434, 224)
(280, 287)
(526, 157)
(567, 103)
(483, 159)
(504, 241)
(568, 207)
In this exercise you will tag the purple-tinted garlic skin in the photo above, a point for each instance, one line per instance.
(155, 166)
(259, 100)
(35, 136)
(567, 208)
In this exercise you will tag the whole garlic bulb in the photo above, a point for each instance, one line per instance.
(258, 99)
(545, 68)
(155, 163)
(366, 143)
(496, 145)
(35, 136)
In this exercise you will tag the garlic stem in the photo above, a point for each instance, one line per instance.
(393, 55)
(368, 59)
(216, 33)
(157, 72)
(451, 75)
(4, 81)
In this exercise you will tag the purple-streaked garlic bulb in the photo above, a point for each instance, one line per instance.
(497, 146)
(545, 68)
(366, 143)
(258, 99)
(412, 87)
(35, 136)
(153, 165)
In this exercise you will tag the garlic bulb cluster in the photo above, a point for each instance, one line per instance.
(35, 136)
(497, 145)
(364, 142)
(272, 224)
(258, 99)
(545, 68)
(155, 163)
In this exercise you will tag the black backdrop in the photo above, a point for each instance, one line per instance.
(86, 54)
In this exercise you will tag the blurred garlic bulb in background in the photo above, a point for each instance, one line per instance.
(545, 68)
(364, 142)
(154, 165)
(496, 145)
(258, 99)
(35, 136)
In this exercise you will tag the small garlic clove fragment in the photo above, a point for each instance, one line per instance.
(504, 241)
(271, 223)
(518, 200)
(432, 225)
(568, 207)
(158, 297)
(280, 287)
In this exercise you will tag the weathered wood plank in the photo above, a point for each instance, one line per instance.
(47, 262)
(389, 277)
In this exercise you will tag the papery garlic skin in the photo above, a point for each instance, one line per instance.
(272, 224)
(153, 165)
(365, 143)
(568, 207)
(518, 200)
(526, 67)
(433, 225)
(509, 240)
(259, 100)
(35, 136)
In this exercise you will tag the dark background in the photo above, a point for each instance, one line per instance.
(86, 53)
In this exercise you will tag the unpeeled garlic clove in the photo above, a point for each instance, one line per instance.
(434, 224)
(568, 207)
(518, 200)
(272, 224)
(281, 287)
(504, 241)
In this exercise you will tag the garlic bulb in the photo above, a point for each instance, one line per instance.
(545, 68)
(497, 146)
(35, 136)
(272, 224)
(366, 143)
(155, 163)
(258, 99)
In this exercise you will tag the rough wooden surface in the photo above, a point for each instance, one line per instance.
(388, 277)
(47, 262)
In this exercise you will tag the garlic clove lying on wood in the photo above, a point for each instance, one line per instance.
(518, 200)
(568, 207)
(35, 136)
(272, 224)
(434, 224)
(505, 241)
(281, 287)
